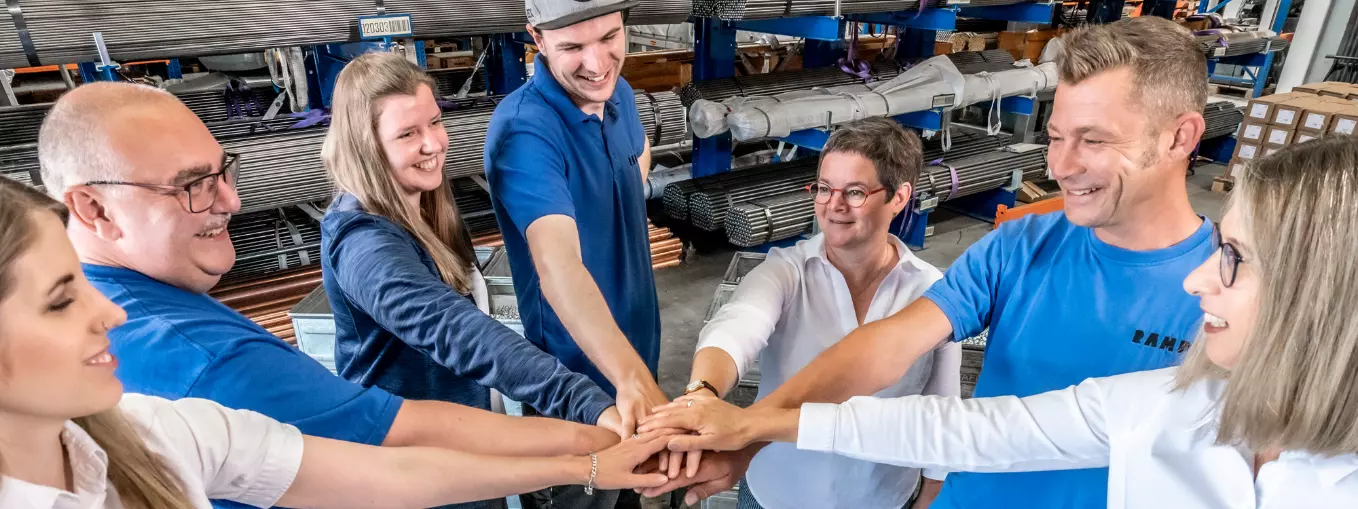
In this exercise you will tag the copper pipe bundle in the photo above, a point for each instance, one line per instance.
(266, 301)
(666, 249)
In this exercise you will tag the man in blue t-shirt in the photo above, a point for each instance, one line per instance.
(1094, 291)
(150, 193)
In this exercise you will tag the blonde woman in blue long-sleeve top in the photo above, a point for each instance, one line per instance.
(398, 266)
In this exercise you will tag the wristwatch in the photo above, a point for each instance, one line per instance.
(698, 385)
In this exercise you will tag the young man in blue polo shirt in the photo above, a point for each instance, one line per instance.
(150, 193)
(1093, 292)
(566, 157)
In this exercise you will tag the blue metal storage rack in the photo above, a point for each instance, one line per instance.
(714, 58)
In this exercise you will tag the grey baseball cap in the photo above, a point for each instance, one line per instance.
(554, 14)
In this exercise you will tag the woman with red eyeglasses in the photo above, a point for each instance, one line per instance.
(805, 298)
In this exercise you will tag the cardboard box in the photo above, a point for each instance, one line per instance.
(1279, 136)
(1025, 45)
(1310, 88)
(1236, 168)
(1260, 109)
(1268, 151)
(1345, 124)
(1288, 113)
(1252, 132)
(1319, 116)
(1222, 184)
(1247, 152)
(1305, 136)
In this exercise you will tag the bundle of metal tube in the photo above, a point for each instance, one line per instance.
(272, 241)
(61, 29)
(20, 124)
(20, 163)
(448, 82)
(676, 195)
(708, 206)
(981, 172)
(1223, 118)
(767, 9)
(212, 106)
(972, 62)
(666, 249)
(266, 300)
(768, 219)
(473, 204)
(1221, 43)
(783, 215)
(664, 117)
(779, 82)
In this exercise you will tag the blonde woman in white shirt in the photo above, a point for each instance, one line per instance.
(1262, 414)
(805, 298)
(70, 438)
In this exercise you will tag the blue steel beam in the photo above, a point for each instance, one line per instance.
(813, 139)
(819, 28)
(1021, 13)
(714, 55)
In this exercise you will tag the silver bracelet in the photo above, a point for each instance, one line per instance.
(593, 472)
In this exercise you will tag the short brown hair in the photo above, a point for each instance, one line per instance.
(1169, 68)
(895, 152)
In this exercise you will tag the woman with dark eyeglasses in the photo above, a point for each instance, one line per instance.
(1263, 413)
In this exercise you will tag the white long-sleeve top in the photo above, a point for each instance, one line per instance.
(787, 311)
(1158, 444)
(216, 452)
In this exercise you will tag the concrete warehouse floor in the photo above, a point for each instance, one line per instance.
(685, 292)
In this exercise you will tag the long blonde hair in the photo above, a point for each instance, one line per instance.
(1295, 385)
(355, 160)
(140, 476)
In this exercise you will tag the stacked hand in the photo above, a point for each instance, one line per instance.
(710, 424)
(618, 466)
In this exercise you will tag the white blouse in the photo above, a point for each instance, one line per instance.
(216, 452)
(1159, 444)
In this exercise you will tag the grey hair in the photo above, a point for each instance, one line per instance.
(73, 144)
(895, 152)
(1293, 384)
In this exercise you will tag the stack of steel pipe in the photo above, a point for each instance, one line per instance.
(963, 144)
(768, 9)
(280, 167)
(466, 123)
(20, 124)
(473, 204)
(779, 82)
(1231, 44)
(664, 117)
(61, 29)
(448, 82)
(972, 62)
(266, 300)
(676, 195)
(708, 206)
(20, 163)
(273, 241)
(1223, 118)
(768, 219)
(982, 172)
(211, 105)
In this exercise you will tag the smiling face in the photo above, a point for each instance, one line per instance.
(845, 226)
(1104, 151)
(586, 58)
(1229, 312)
(54, 359)
(410, 129)
(156, 234)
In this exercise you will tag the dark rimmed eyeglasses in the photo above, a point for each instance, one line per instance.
(1230, 257)
(197, 195)
(854, 196)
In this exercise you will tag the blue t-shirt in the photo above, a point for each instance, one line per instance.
(544, 156)
(179, 344)
(1063, 306)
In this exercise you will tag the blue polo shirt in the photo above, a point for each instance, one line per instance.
(1063, 306)
(545, 156)
(179, 344)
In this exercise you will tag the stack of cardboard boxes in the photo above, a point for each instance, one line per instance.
(1276, 121)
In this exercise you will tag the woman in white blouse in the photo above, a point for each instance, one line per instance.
(805, 298)
(1262, 414)
(70, 438)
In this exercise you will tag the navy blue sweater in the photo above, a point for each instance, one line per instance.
(398, 326)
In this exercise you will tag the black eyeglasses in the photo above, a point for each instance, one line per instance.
(198, 195)
(1230, 257)
(854, 196)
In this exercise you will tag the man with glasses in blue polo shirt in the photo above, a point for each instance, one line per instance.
(566, 157)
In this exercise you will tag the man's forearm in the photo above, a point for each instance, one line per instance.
(716, 367)
(462, 428)
(869, 359)
(576, 298)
